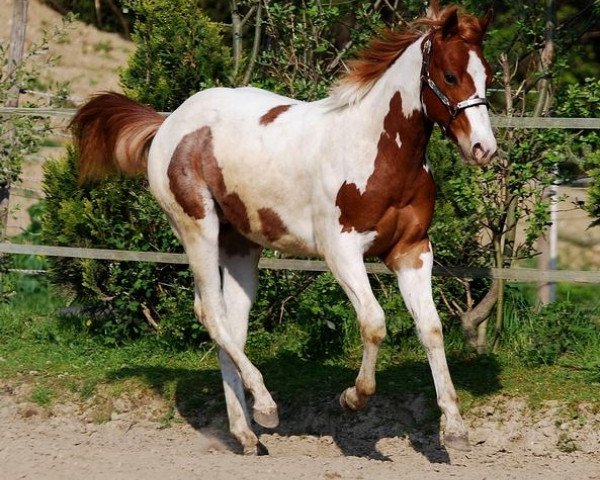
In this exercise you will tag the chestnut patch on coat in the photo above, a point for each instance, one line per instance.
(272, 227)
(273, 113)
(185, 172)
(232, 207)
(398, 200)
(406, 255)
(456, 59)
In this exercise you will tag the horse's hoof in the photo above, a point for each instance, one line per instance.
(457, 442)
(350, 400)
(266, 418)
(257, 450)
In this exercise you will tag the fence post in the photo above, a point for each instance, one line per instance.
(548, 246)
(15, 55)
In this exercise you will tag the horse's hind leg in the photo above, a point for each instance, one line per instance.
(239, 259)
(201, 242)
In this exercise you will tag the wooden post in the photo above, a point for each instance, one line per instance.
(15, 55)
(17, 45)
(548, 246)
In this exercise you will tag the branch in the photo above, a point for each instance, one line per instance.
(339, 56)
(236, 33)
(506, 78)
(248, 15)
(471, 319)
(255, 45)
(393, 9)
(149, 319)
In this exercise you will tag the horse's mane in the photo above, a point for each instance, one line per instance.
(373, 61)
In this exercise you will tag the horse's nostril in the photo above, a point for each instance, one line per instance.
(478, 152)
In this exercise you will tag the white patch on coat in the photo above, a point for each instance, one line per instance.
(403, 75)
(427, 165)
(479, 119)
(398, 140)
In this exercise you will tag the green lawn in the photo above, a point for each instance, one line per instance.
(38, 348)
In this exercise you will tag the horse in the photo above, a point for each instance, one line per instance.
(343, 178)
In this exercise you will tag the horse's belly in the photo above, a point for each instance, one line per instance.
(269, 225)
(286, 243)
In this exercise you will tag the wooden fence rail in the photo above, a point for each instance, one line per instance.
(499, 121)
(511, 274)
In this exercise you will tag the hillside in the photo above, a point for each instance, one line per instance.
(86, 58)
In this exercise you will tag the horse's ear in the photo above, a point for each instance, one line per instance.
(486, 20)
(450, 26)
(433, 11)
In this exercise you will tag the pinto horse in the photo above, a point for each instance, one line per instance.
(237, 170)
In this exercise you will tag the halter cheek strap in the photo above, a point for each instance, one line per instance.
(453, 108)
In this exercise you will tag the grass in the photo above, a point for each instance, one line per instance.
(41, 395)
(60, 363)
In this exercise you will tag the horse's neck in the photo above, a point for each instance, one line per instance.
(394, 102)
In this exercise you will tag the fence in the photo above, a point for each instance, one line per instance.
(510, 274)
(498, 121)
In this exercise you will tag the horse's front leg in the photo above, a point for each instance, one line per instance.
(413, 265)
(348, 267)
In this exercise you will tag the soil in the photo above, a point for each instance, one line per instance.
(137, 436)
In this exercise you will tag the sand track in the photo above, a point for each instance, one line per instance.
(389, 440)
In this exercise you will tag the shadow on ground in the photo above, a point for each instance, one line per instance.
(307, 394)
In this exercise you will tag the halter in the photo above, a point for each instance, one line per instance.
(453, 108)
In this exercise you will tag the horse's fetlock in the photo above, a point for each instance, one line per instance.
(365, 387)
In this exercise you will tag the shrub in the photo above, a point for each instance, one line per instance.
(561, 328)
(177, 54)
(116, 293)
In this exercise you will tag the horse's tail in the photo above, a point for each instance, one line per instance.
(113, 133)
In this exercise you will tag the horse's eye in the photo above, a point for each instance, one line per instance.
(450, 78)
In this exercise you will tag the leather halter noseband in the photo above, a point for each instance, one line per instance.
(453, 108)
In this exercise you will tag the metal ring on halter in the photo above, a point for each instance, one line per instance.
(453, 108)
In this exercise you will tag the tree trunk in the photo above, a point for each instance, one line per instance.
(236, 32)
(473, 319)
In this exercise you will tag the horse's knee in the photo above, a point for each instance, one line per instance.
(431, 336)
(373, 328)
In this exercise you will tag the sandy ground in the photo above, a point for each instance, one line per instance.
(386, 441)
(85, 57)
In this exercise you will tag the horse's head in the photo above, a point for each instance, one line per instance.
(454, 77)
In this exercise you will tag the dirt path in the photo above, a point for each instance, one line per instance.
(63, 442)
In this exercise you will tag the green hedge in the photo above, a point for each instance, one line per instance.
(117, 214)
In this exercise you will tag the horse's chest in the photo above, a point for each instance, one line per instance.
(396, 209)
